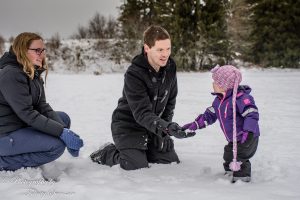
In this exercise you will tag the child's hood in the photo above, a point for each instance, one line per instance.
(242, 89)
(245, 89)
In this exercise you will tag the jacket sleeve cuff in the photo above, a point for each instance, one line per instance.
(250, 125)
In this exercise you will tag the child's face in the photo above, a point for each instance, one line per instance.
(217, 89)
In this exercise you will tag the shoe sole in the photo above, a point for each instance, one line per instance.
(244, 179)
(95, 155)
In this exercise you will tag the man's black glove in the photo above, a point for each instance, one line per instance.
(163, 143)
(175, 130)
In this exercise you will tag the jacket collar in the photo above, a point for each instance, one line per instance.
(9, 58)
(142, 61)
(38, 71)
(242, 88)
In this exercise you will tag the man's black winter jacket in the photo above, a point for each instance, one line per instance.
(146, 105)
(22, 100)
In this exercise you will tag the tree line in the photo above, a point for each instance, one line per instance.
(204, 32)
(207, 32)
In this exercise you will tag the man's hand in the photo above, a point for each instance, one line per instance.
(175, 130)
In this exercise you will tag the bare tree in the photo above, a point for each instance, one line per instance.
(99, 27)
(96, 27)
(2, 41)
(54, 42)
(82, 32)
(111, 26)
(11, 39)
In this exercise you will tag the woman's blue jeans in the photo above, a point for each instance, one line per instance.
(28, 147)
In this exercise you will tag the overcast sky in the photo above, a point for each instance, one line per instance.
(51, 16)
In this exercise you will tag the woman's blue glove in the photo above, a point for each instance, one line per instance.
(74, 153)
(72, 141)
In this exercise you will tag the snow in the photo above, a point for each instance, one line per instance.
(90, 101)
(84, 56)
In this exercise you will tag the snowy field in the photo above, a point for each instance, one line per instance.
(90, 101)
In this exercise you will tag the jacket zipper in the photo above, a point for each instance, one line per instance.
(225, 112)
(164, 97)
(219, 109)
(156, 100)
(39, 90)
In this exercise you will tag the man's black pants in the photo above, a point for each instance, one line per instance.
(132, 158)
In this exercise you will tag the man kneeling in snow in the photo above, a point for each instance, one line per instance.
(142, 122)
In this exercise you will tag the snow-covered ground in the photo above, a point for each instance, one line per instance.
(84, 56)
(90, 100)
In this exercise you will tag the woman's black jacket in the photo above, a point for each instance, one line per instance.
(22, 100)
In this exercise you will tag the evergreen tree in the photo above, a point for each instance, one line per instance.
(239, 27)
(130, 19)
(276, 33)
(198, 28)
(135, 16)
(185, 31)
(199, 32)
(215, 46)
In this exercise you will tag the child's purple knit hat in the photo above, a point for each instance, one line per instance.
(226, 76)
(229, 77)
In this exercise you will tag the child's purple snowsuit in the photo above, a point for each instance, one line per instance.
(246, 117)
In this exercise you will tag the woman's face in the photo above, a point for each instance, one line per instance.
(36, 52)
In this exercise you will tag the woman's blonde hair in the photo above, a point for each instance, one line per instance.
(20, 47)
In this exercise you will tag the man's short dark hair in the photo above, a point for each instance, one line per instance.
(154, 33)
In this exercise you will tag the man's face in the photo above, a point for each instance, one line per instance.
(158, 55)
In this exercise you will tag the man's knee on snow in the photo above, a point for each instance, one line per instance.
(131, 159)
